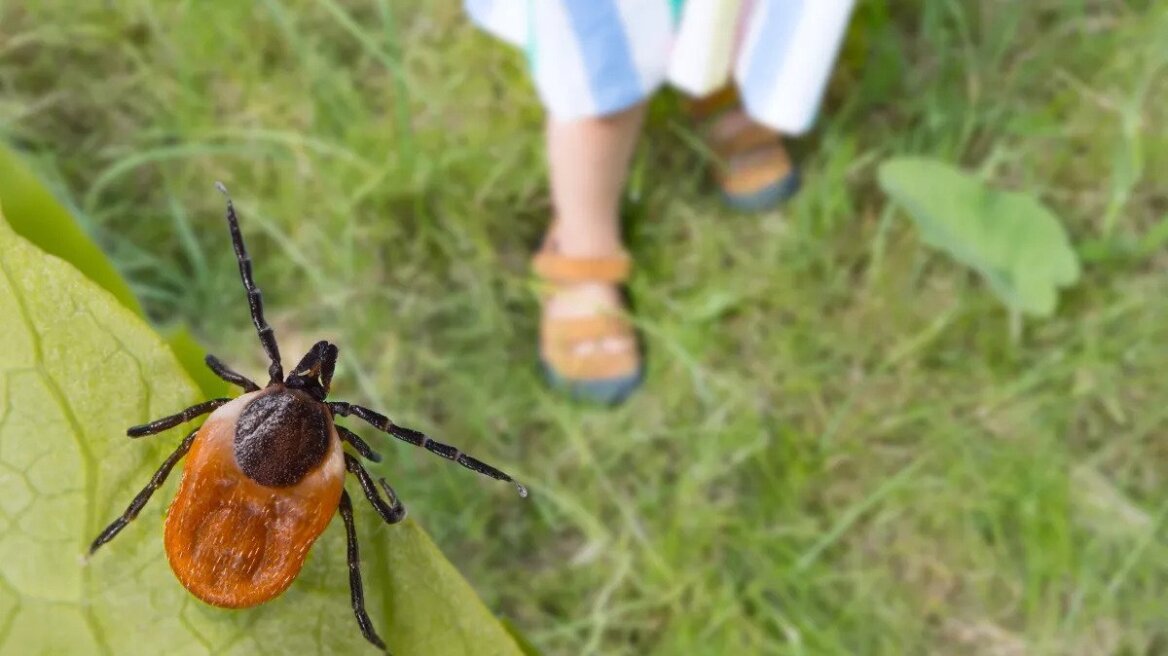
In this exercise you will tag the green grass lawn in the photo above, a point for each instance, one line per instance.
(839, 449)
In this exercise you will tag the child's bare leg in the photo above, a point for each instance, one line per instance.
(588, 160)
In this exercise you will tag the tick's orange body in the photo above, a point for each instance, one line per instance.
(233, 542)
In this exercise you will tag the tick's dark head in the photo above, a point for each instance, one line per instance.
(314, 374)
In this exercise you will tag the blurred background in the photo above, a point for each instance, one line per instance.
(842, 447)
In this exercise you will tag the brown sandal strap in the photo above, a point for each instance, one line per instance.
(753, 170)
(717, 102)
(573, 330)
(725, 143)
(750, 136)
(594, 366)
(561, 336)
(573, 270)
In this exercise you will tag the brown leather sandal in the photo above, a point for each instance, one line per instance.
(755, 172)
(599, 376)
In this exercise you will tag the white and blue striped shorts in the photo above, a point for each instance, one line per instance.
(596, 57)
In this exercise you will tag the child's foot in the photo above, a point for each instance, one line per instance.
(587, 345)
(755, 173)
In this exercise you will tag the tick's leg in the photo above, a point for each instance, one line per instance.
(356, 590)
(159, 425)
(139, 501)
(254, 298)
(223, 371)
(358, 444)
(392, 512)
(382, 423)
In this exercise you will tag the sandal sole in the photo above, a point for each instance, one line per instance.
(768, 197)
(604, 391)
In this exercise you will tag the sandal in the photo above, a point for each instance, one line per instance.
(597, 375)
(755, 172)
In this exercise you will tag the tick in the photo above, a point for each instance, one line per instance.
(265, 474)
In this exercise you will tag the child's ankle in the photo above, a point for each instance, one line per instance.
(588, 240)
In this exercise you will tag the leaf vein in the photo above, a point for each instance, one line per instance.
(75, 429)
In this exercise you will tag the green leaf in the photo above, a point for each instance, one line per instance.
(35, 214)
(525, 645)
(432, 609)
(190, 354)
(1017, 244)
(78, 368)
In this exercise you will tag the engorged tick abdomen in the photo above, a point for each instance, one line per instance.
(280, 435)
(236, 543)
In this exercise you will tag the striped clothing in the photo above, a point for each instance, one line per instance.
(596, 57)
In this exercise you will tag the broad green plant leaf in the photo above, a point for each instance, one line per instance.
(453, 621)
(524, 643)
(35, 214)
(1018, 245)
(190, 353)
(78, 368)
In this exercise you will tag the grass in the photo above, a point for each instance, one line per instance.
(839, 449)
